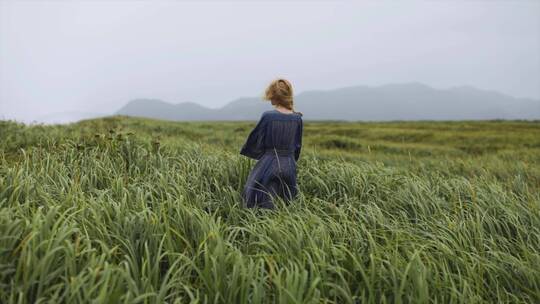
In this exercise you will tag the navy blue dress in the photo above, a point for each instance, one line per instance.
(275, 142)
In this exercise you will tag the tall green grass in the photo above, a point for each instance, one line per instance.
(123, 210)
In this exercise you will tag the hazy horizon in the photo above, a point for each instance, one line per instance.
(96, 56)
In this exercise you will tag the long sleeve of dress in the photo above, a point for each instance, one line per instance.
(254, 145)
(298, 141)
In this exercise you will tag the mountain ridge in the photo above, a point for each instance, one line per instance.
(394, 101)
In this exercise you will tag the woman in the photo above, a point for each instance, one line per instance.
(275, 142)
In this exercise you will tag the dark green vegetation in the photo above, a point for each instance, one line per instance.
(123, 210)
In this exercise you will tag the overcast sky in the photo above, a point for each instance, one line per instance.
(94, 56)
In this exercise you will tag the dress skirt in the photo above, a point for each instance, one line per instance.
(273, 176)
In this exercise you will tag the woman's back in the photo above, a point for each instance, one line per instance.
(283, 131)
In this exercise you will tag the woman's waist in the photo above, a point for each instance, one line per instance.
(279, 151)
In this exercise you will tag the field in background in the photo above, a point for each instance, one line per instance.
(144, 211)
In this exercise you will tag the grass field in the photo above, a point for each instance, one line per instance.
(125, 210)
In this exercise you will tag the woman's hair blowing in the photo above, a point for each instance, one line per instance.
(280, 92)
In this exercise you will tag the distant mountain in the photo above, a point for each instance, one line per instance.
(154, 108)
(408, 101)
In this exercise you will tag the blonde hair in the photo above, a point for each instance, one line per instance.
(280, 92)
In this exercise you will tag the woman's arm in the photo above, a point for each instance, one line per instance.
(254, 145)
(299, 140)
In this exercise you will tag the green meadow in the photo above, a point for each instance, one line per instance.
(130, 210)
